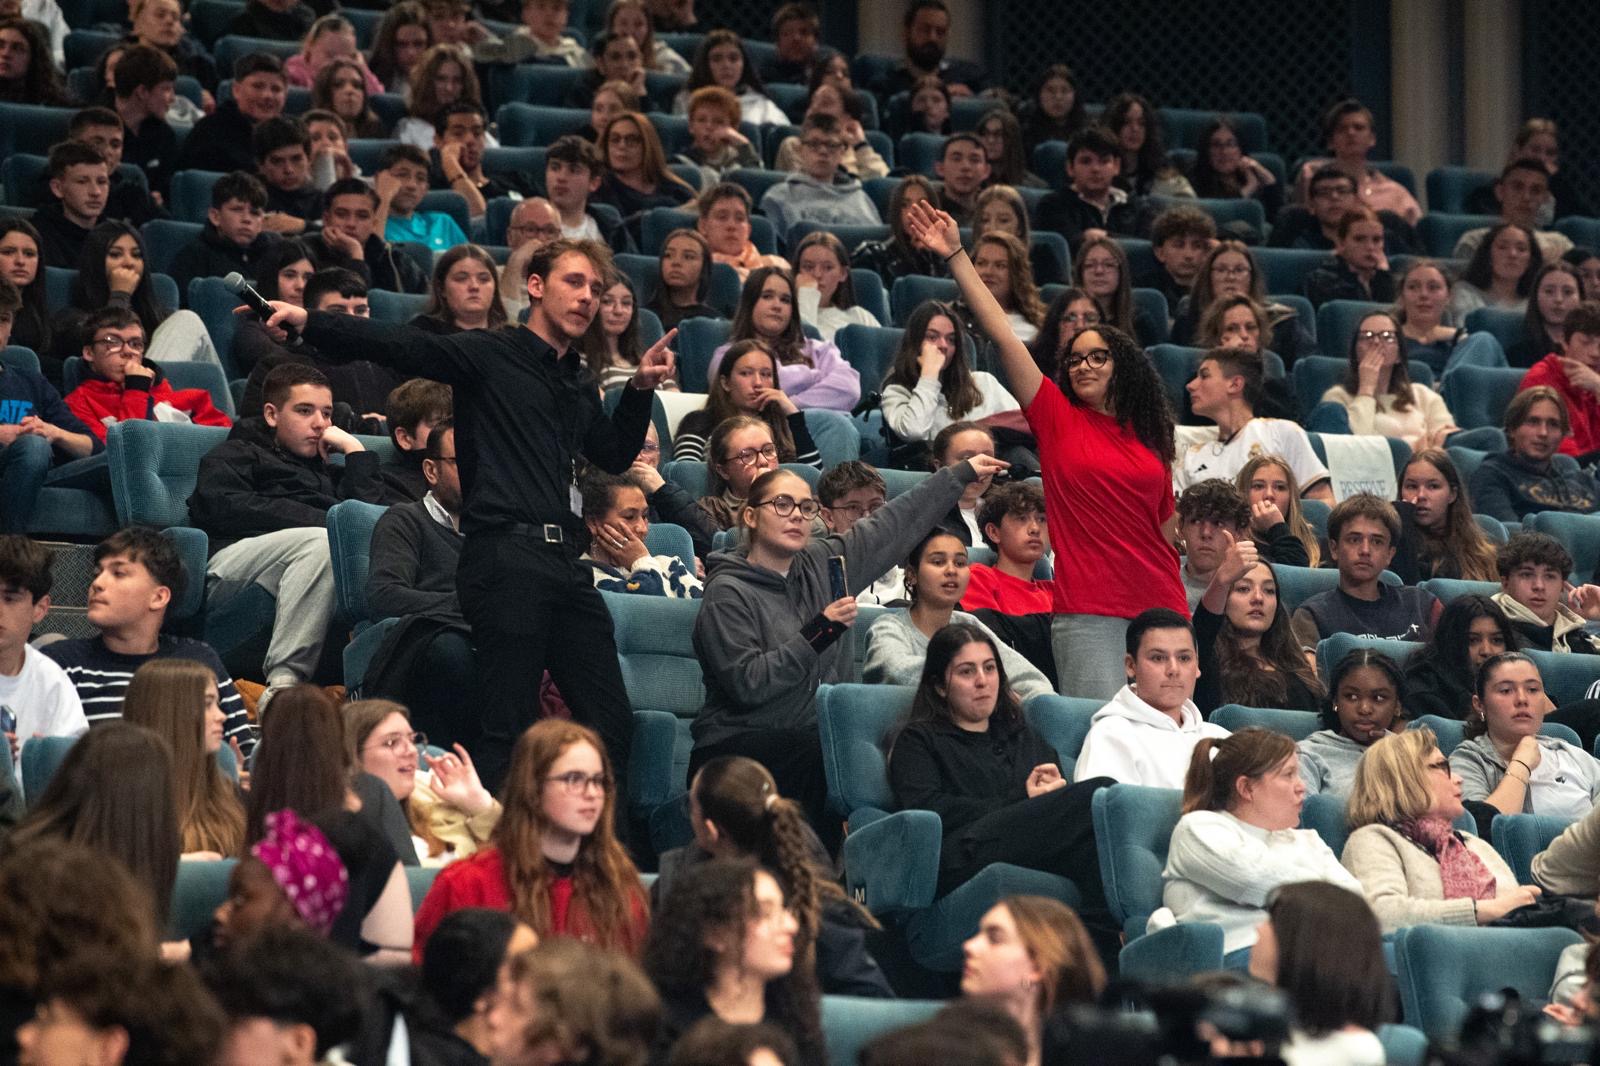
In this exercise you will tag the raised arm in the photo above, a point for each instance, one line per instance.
(937, 232)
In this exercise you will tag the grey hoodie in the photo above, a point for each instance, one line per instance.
(1328, 763)
(802, 198)
(754, 633)
(1566, 783)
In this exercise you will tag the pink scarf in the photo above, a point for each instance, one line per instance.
(1463, 874)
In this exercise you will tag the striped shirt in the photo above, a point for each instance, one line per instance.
(101, 677)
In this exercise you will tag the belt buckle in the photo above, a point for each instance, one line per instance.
(553, 533)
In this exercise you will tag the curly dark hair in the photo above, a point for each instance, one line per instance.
(1216, 499)
(719, 895)
(1136, 396)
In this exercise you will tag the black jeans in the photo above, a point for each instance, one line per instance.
(533, 606)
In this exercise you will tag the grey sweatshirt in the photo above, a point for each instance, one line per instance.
(1328, 763)
(802, 198)
(896, 650)
(755, 635)
(1566, 783)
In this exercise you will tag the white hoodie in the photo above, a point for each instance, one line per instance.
(1131, 741)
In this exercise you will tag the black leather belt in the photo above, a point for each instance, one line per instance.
(550, 532)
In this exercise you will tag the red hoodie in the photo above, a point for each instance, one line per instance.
(1582, 407)
(97, 400)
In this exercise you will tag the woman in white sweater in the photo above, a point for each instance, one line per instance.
(1238, 839)
(1412, 863)
(931, 385)
(1379, 394)
(827, 294)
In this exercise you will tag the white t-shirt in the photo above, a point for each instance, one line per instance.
(43, 699)
(1259, 436)
(587, 230)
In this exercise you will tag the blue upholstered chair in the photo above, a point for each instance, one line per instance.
(396, 307)
(1566, 677)
(850, 1023)
(1519, 837)
(1449, 589)
(41, 758)
(419, 879)
(196, 894)
(1294, 724)
(1330, 650)
(1581, 535)
(1451, 732)
(1063, 721)
(1449, 187)
(1443, 969)
(350, 527)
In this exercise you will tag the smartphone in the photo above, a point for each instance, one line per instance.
(836, 577)
(8, 720)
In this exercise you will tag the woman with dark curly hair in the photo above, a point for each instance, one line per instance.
(1105, 438)
(724, 945)
(1470, 631)
(1146, 168)
(29, 75)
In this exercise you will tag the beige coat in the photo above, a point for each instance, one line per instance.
(1402, 882)
(1570, 866)
(451, 824)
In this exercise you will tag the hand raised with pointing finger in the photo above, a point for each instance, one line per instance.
(656, 364)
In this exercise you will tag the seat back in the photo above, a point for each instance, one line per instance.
(850, 1023)
(1063, 721)
(667, 538)
(851, 237)
(1440, 231)
(1294, 724)
(530, 125)
(1337, 321)
(1448, 589)
(1449, 187)
(1297, 584)
(199, 890)
(1581, 535)
(32, 128)
(164, 238)
(1332, 650)
(1519, 837)
(397, 307)
(660, 221)
(1326, 815)
(1567, 677)
(1502, 324)
(350, 526)
(154, 466)
(913, 290)
(1150, 311)
(898, 481)
(697, 339)
(1285, 269)
(191, 194)
(655, 648)
(1132, 827)
(870, 349)
(419, 879)
(870, 294)
(855, 722)
(41, 758)
(211, 300)
(1443, 969)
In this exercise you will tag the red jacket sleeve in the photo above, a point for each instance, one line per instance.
(194, 402)
(94, 401)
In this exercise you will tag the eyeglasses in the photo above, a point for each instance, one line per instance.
(117, 344)
(784, 506)
(1382, 336)
(577, 782)
(1088, 318)
(858, 509)
(749, 456)
(1095, 357)
(398, 742)
(651, 446)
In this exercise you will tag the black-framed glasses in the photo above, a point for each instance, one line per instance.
(117, 344)
(1095, 357)
(577, 782)
(784, 506)
(749, 456)
(1382, 336)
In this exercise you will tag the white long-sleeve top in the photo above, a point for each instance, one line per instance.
(1378, 415)
(830, 320)
(1220, 869)
(920, 413)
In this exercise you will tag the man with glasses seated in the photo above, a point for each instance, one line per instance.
(1316, 223)
(118, 385)
(820, 192)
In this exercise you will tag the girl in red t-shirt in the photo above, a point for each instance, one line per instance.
(1106, 446)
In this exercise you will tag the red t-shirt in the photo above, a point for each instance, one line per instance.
(1105, 496)
(988, 587)
(1582, 407)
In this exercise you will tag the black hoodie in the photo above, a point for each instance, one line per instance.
(258, 20)
(212, 255)
(60, 239)
(384, 265)
(219, 142)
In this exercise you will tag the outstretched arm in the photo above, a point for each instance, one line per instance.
(938, 233)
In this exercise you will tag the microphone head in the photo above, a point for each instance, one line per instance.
(234, 282)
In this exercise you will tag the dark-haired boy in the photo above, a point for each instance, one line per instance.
(848, 493)
(349, 239)
(80, 181)
(1533, 594)
(414, 408)
(144, 86)
(138, 575)
(127, 199)
(121, 386)
(282, 149)
(1180, 239)
(460, 139)
(263, 497)
(964, 168)
(1523, 193)
(221, 140)
(1211, 512)
(794, 30)
(1091, 205)
(1363, 535)
(1011, 517)
(232, 239)
(36, 696)
(572, 172)
(402, 182)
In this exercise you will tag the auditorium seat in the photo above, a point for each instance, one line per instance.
(1331, 650)
(1450, 187)
(1294, 724)
(1580, 533)
(1478, 395)
(1441, 232)
(1519, 837)
(1443, 970)
(850, 1023)
(1063, 721)
(660, 221)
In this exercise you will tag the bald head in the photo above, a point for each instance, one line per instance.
(534, 223)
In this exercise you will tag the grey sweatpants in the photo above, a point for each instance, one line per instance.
(295, 567)
(1089, 649)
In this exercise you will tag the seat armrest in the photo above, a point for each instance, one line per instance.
(892, 863)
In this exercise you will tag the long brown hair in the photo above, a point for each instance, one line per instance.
(1295, 516)
(1463, 543)
(652, 157)
(168, 696)
(1219, 762)
(439, 308)
(1330, 957)
(790, 345)
(719, 402)
(956, 383)
(844, 297)
(1260, 678)
(605, 881)
(322, 94)
(1119, 308)
(424, 101)
(361, 717)
(1202, 295)
(1070, 972)
(1399, 374)
(1019, 275)
(301, 763)
(383, 64)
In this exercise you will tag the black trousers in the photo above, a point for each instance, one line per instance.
(794, 758)
(533, 606)
(441, 690)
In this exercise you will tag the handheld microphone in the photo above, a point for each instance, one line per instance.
(236, 284)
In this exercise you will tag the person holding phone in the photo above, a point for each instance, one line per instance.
(773, 625)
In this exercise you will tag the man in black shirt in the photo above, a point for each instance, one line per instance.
(524, 410)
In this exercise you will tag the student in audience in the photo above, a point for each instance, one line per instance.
(1238, 839)
(1230, 270)
(1145, 733)
(1379, 395)
(80, 181)
(1556, 292)
(963, 167)
(1270, 492)
(956, 443)
(1506, 762)
(566, 1001)
(275, 20)
(683, 279)
(1001, 136)
(290, 996)
(129, 200)
(553, 859)
(632, 18)
(29, 75)
(1121, 433)
(1439, 678)
(1100, 268)
(403, 35)
(464, 293)
(118, 385)
(1358, 269)
(461, 137)
(454, 22)
(714, 1042)
(825, 288)
(716, 145)
(1013, 523)
(221, 140)
(1538, 140)
(926, 28)
(412, 411)
(1227, 388)
(722, 61)
(1522, 192)
(611, 100)
(764, 643)
(611, 348)
(441, 77)
(1180, 238)
(159, 24)
(897, 254)
(1533, 582)
(1003, 265)
(401, 183)
(93, 799)
(1320, 944)
(1569, 368)
(1032, 957)
(935, 578)
(1500, 274)
(40, 697)
(930, 385)
(22, 265)
(1206, 511)
(178, 700)
(1421, 303)
(1053, 110)
(849, 492)
(795, 28)
(449, 812)
(541, 38)
(617, 514)
(1525, 479)
(724, 221)
(860, 159)
(458, 977)
(745, 383)
(280, 274)
(1414, 866)
(343, 89)
(330, 39)
(1248, 653)
(1450, 542)
(350, 240)
(818, 192)
(815, 373)
(1363, 535)
(1000, 209)
(1146, 169)
(233, 239)
(1366, 701)
(1347, 131)
(330, 148)
(1091, 205)
(636, 176)
(263, 497)
(37, 431)
(571, 176)
(1070, 312)
(967, 754)
(1315, 223)
(1222, 171)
